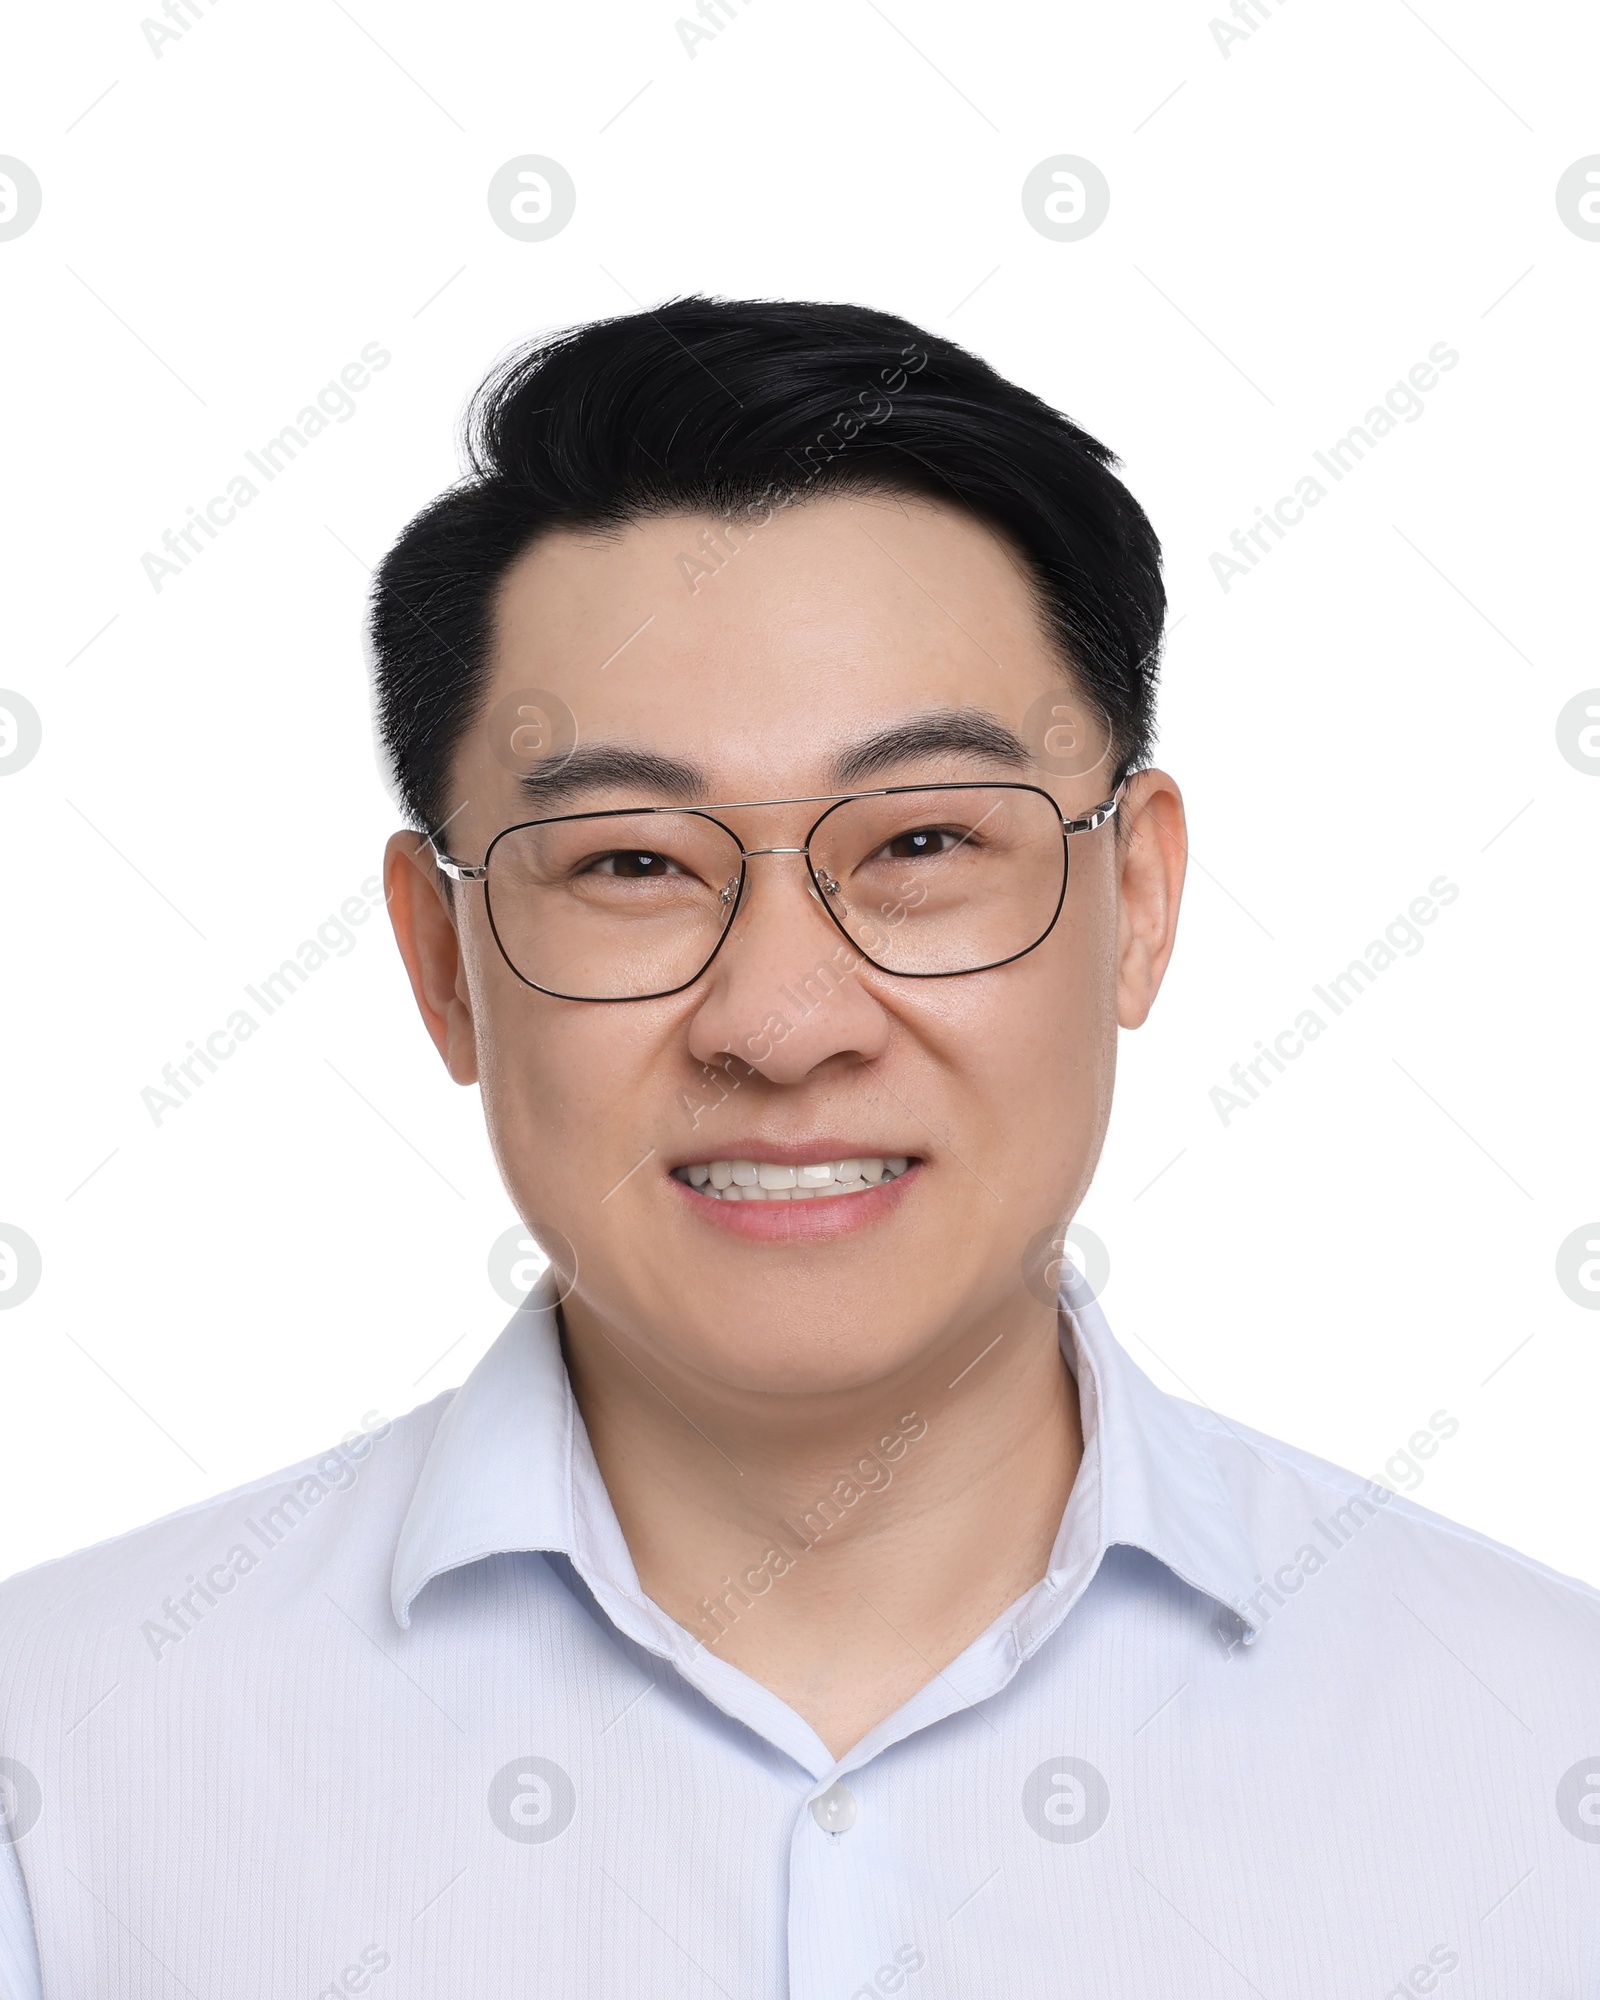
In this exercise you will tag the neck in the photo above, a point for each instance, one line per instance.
(840, 1549)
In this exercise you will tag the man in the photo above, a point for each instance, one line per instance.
(803, 1596)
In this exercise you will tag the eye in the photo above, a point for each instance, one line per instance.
(632, 864)
(921, 842)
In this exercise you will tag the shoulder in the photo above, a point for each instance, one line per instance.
(163, 1578)
(1304, 1516)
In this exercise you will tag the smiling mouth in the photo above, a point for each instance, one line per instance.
(768, 1180)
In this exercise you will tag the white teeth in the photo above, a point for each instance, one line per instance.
(767, 1180)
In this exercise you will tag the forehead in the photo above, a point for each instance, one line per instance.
(758, 652)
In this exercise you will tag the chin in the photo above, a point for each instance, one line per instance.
(767, 1345)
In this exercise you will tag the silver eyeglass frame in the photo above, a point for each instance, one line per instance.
(466, 871)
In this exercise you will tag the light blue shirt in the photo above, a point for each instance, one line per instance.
(401, 1721)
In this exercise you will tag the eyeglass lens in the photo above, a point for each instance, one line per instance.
(929, 882)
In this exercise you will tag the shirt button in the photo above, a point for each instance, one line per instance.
(835, 1809)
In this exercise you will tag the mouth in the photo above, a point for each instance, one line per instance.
(742, 1180)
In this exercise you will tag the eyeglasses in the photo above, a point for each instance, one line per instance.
(924, 881)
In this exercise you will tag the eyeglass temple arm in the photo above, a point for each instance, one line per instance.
(1098, 817)
(458, 871)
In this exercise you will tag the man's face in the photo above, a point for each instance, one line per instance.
(839, 620)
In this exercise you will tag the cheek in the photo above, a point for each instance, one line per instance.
(548, 1072)
(1059, 1059)
(1033, 1047)
(566, 1087)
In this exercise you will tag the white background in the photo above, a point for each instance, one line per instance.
(1293, 224)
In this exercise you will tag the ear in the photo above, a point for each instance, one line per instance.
(425, 930)
(1152, 857)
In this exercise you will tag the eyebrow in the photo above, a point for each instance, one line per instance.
(595, 767)
(946, 732)
(942, 732)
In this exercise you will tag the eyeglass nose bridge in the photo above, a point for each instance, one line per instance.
(730, 888)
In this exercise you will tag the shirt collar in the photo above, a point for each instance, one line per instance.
(498, 1475)
(1158, 1487)
(510, 1469)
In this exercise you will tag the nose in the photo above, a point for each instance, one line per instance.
(788, 991)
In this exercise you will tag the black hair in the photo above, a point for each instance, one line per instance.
(735, 407)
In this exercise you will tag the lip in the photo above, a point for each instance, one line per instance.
(799, 1221)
